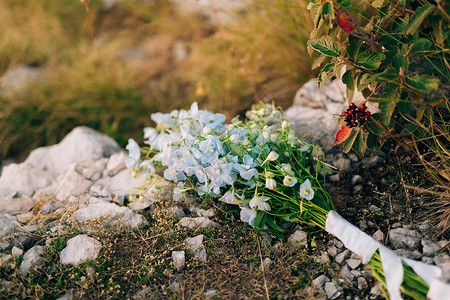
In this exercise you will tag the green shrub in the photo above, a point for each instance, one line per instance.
(395, 53)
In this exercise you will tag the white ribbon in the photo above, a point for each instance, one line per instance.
(365, 246)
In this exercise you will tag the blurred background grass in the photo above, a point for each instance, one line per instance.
(143, 58)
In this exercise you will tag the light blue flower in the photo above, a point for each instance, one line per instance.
(220, 173)
(178, 193)
(248, 215)
(230, 196)
(211, 148)
(247, 169)
(260, 202)
(306, 191)
(174, 175)
(134, 154)
(150, 134)
(147, 164)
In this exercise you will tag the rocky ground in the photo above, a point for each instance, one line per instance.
(83, 182)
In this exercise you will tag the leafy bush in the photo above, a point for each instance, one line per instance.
(396, 54)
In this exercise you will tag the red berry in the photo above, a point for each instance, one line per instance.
(363, 107)
(367, 114)
(352, 106)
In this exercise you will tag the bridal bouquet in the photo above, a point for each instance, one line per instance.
(261, 166)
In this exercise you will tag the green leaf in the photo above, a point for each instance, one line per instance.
(327, 46)
(320, 30)
(387, 107)
(360, 145)
(349, 78)
(350, 141)
(372, 141)
(258, 220)
(346, 3)
(370, 61)
(315, 10)
(437, 32)
(423, 83)
(327, 72)
(389, 75)
(374, 127)
(420, 46)
(410, 128)
(418, 18)
(353, 48)
(362, 81)
(401, 61)
(388, 41)
(379, 3)
(318, 60)
(404, 106)
(327, 9)
(272, 224)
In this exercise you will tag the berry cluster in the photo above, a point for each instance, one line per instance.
(355, 116)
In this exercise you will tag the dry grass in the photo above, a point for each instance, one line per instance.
(90, 81)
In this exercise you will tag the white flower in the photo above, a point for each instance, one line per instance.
(206, 130)
(306, 191)
(248, 215)
(271, 157)
(230, 196)
(260, 202)
(285, 124)
(271, 183)
(289, 181)
(287, 169)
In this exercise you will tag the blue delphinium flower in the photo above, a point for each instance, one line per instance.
(220, 174)
(247, 168)
(134, 154)
(211, 148)
(174, 175)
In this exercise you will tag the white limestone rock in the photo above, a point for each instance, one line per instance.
(298, 238)
(91, 169)
(403, 237)
(79, 249)
(195, 223)
(31, 259)
(15, 206)
(217, 11)
(111, 214)
(18, 79)
(71, 184)
(196, 247)
(82, 143)
(179, 259)
(205, 213)
(11, 230)
(116, 163)
(320, 281)
(176, 211)
(122, 183)
(23, 179)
